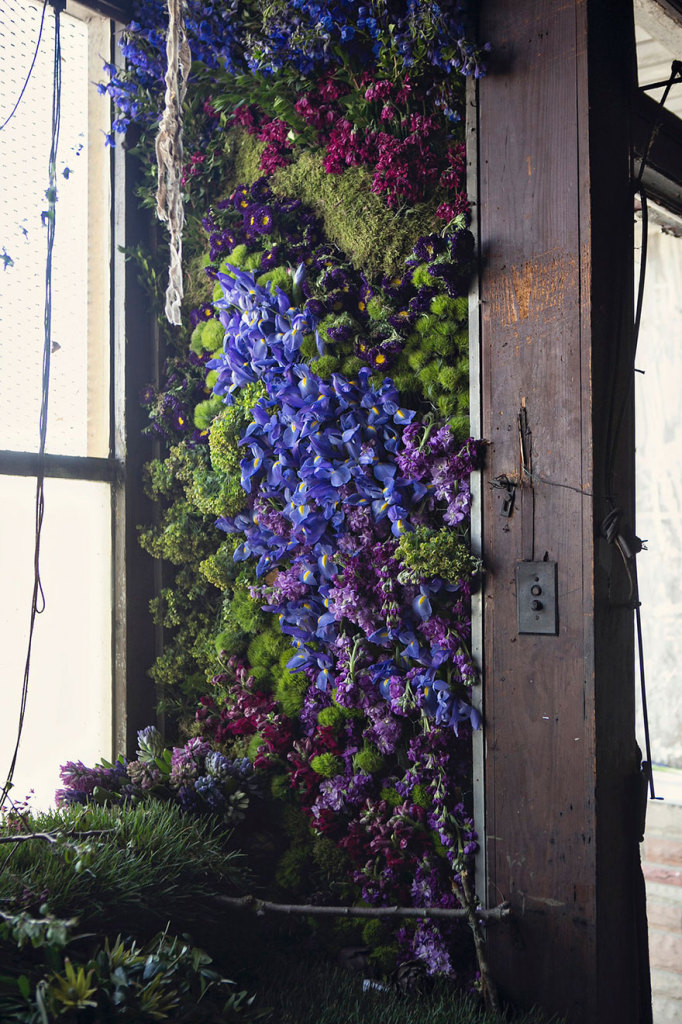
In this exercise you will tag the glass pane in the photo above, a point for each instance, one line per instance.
(659, 483)
(78, 422)
(659, 42)
(69, 701)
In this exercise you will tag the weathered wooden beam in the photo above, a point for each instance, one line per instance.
(561, 765)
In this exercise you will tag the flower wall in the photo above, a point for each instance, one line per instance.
(314, 485)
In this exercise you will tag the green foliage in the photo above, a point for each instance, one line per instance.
(220, 568)
(206, 411)
(290, 688)
(391, 796)
(289, 873)
(375, 239)
(429, 553)
(326, 994)
(278, 277)
(327, 765)
(420, 795)
(325, 366)
(331, 861)
(142, 861)
(368, 759)
(166, 978)
(227, 429)
(332, 716)
(255, 743)
(207, 336)
(265, 653)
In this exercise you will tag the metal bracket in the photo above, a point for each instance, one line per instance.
(536, 597)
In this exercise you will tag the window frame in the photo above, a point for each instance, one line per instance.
(133, 363)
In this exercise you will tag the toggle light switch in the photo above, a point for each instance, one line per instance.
(536, 597)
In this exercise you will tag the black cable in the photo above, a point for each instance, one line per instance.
(38, 599)
(30, 70)
(610, 527)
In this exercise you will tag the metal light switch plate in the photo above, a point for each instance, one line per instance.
(536, 597)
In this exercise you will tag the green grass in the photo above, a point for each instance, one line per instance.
(299, 992)
(152, 861)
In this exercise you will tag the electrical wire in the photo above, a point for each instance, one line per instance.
(30, 70)
(610, 527)
(49, 218)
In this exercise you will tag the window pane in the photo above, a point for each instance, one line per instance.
(659, 484)
(69, 702)
(78, 422)
(659, 42)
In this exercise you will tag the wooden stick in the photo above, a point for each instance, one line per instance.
(259, 906)
(53, 837)
(473, 914)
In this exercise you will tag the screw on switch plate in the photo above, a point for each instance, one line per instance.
(536, 597)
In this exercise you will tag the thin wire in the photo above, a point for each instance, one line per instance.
(616, 421)
(30, 70)
(38, 599)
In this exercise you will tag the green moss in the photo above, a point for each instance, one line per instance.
(255, 743)
(332, 716)
(325, 366)
(252, 261)
(264, 653)
(329, 858)
(237, 257)
(290, 688)
(352, 365)
(375, 239)
(420, 796)
(247, 153)
(280, 787)
(391, 796)
(372, 933)
(417, 358)
(327, 765)
(421, 277)
(384, 957)
(244, 609)
(368, 759)
(205, 412)
(461, 426)
(278, 277)
(289, 871)
(428, 375)
(448, 378)
(444, 306)
(207, 336)
(376, 308)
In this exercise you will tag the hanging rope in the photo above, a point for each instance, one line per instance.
(169, 153)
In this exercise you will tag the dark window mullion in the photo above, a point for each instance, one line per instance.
(72, 467)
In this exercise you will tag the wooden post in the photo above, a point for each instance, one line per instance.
(561, 765)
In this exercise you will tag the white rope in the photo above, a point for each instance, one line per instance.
(169, 153)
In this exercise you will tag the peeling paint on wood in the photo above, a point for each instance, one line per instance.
(541, 285)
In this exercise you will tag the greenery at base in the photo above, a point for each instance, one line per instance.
(324, 993)
(86, 896)
(148, 860)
